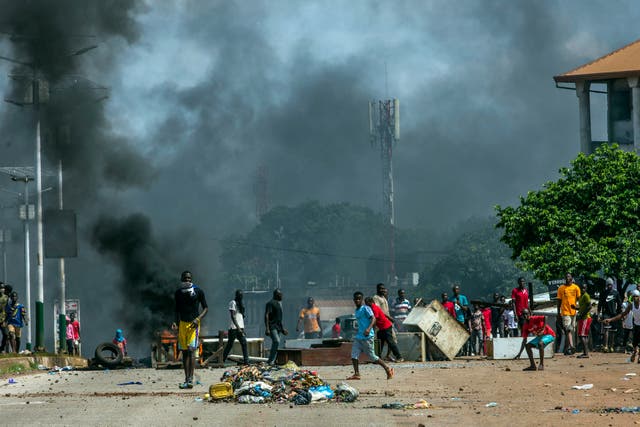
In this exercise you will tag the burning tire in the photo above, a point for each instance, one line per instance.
(108, 355)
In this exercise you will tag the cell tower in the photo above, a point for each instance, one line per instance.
(384, 128)
(260, 191)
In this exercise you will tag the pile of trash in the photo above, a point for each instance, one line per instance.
(264, 383)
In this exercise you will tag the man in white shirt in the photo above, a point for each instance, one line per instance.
(236, 328)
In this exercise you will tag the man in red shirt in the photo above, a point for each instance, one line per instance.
(384, 324)
(520, 301)
(448, 305)
(544, 335)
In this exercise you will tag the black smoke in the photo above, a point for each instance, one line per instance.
(148, 275)
(75, 129)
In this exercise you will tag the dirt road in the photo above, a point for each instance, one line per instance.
(459, 392)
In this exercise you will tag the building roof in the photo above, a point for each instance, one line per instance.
(624, 62)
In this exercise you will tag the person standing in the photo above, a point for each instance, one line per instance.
(75, 329)
(188, 300)
(544, 335)
(568, 295)
(627, 321)
(4, 300)
(461, 308)
(336, 329)
(273, 324)
(497, 322)
(584, 320)
(310, 316)
(608, 307)
(476, 326)
(632, 310)
(69, 336)
(120, 341)
(520, 301)
(448, 305)
(363, 341)
(401, 309)
(16, 320)
(236, 328)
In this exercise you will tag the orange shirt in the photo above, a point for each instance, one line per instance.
(568, 296)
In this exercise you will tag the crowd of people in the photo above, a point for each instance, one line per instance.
(13, 317)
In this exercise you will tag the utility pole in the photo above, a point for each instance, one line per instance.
(384, 129)
(62, 317)
(35, 102)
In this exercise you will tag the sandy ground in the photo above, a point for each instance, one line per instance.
(459, 392)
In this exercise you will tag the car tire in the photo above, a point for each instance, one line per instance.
(108, 355)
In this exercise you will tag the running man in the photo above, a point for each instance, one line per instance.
(188, 298)
(363, 341)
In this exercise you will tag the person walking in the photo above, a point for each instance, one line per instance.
(236, 328)
(363, 341)
(188, 300)
(384, 326)
(16, 320)
(273, 324)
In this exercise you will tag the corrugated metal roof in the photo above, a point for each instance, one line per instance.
(624, 62)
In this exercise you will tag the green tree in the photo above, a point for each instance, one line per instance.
(311, 242)
(477, 260)
(585, 222)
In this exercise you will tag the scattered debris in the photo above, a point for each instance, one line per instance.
(583, 387)
(264, 383)
(491, 405)
(631, 409)
(420, 404)
(131, 383)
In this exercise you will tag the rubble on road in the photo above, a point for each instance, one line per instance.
(286, 384)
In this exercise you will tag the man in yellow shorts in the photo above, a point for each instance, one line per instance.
(189, 298)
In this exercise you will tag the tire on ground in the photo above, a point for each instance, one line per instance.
(108, 354)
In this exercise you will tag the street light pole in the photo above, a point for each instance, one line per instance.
(40, 254)
(35, 87)
(27, 254)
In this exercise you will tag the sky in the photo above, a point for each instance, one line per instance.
(203, 94)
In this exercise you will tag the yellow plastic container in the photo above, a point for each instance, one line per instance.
(221, 391)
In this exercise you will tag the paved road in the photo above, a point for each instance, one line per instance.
(459, 391)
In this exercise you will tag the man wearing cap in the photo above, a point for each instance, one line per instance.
(189, 298)
(608, 307)
(544, 335)
(632, 310)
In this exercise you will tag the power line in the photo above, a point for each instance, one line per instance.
(327, 254)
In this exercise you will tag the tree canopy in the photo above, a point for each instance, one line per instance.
(319, 243)
(477, 260)
(586, 222)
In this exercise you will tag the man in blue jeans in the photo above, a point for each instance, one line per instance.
(273, 324)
